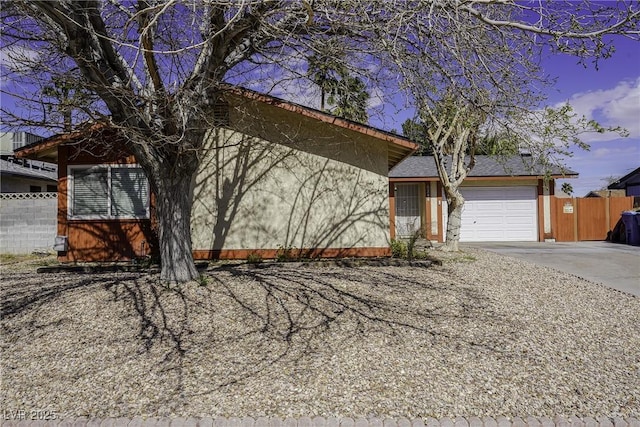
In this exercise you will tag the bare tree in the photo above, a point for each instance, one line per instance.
(158, 67)
(472, 71)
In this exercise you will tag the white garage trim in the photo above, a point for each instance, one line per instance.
(499, 214)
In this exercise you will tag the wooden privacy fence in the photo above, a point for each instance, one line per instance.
(578, 219)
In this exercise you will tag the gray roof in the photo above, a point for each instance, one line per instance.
(38, 170)
(489, 166)
(632, 178)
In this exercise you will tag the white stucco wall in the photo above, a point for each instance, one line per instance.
(288, 181)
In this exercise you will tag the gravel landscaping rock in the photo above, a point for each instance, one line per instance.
(480, 336)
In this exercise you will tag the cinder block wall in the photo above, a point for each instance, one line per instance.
(27, 222)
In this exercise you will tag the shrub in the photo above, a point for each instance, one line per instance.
(254, 258)
(202, 280)
(285, 254)
(398, 249)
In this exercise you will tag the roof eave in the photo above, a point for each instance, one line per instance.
(47, 149)
(489, 177)
(622, 183)
(30, 176)
(398, 147)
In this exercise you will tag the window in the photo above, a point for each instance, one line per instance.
(221, 113)
(52, 188)
(35, 189)
(108, 192)
(17, 140)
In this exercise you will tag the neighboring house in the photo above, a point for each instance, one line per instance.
(28, 198)
(606, 193)
(506, 199)
(274, 176)
(11, 141)
(21, 175)
(27, 177)
(630, 183)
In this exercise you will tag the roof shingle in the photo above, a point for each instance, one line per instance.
(486, 166)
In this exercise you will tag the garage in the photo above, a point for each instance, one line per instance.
(499, 214)
(507, 199)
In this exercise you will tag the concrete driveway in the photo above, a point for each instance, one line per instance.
(613, 265)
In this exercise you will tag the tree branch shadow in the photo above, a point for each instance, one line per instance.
(250, 323)
(285, 314)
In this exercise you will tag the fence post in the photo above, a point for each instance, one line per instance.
(607, 212)
(575, 218)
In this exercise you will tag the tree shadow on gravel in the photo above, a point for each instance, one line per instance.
(34, 291)
(248, 323)
(256, 318)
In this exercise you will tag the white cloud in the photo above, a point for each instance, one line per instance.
(617, 106)
(376, 99)
(17, 58)
(606, 159)
(300, 91)
(601, 153)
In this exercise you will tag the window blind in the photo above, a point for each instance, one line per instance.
(90, 192)
(109, 192)
(129, 192)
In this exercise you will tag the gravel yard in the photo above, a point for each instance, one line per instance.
(481, 335)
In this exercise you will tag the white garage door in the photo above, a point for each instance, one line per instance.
(499, 214)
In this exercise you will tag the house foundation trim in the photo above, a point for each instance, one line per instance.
(365, 252)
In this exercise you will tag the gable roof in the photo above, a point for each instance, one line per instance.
(605, 193)
(486, 166)
(398, 147)
(632, 178)
(47, 149)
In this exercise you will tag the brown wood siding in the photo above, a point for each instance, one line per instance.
(114, 240)
(564, 220)
(592, 218)
(100, 240)
(617, 205)
(62, 195)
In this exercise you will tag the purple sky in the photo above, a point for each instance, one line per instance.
(610, 95)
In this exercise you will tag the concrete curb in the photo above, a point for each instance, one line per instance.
(23, 420)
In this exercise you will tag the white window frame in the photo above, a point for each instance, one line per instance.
(107, 167)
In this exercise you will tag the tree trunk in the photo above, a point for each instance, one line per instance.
(455, 203)
(174, 200)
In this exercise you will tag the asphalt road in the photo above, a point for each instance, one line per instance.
(614, 265)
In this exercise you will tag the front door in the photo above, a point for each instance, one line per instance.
(407, 209)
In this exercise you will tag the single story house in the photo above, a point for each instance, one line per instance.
(506, 199)
(27, 177)
(275, 176)
(605, 193)
(630, 183)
